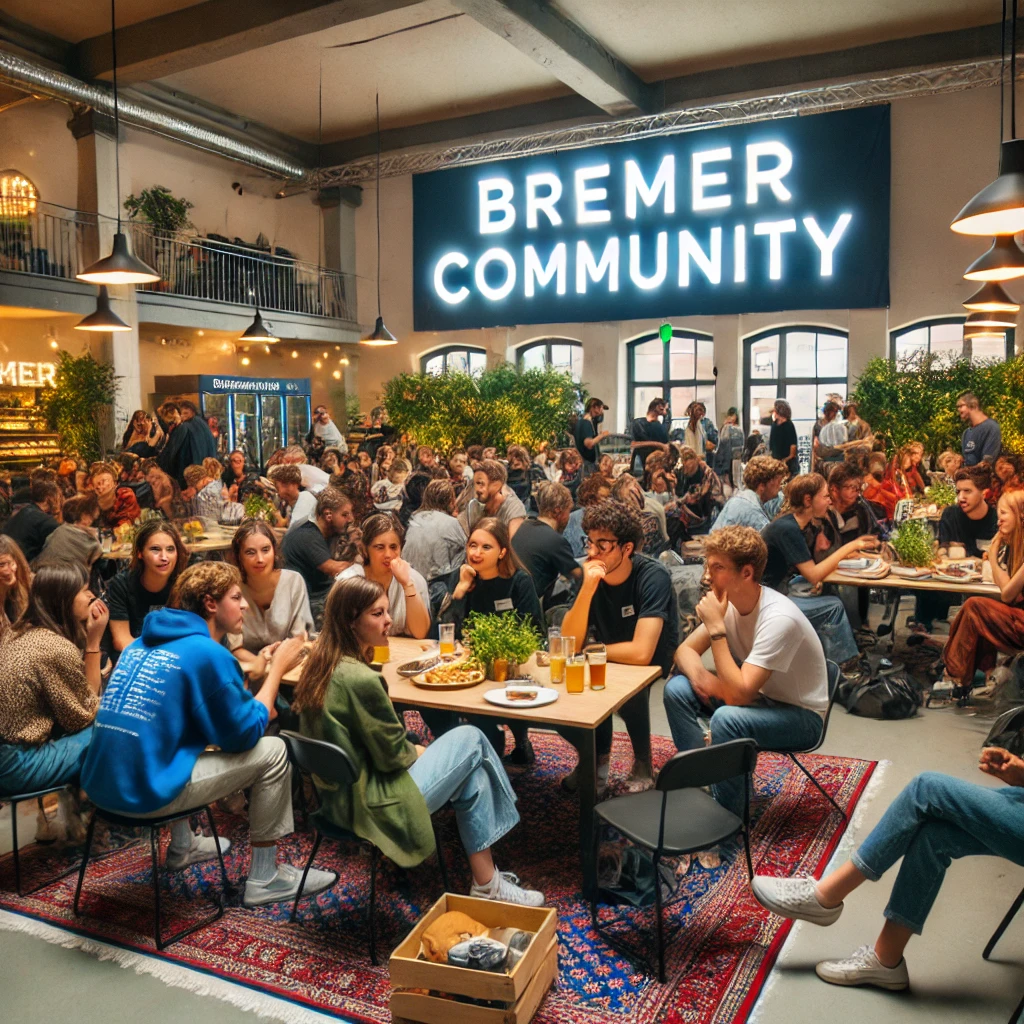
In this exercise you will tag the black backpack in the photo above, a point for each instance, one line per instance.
(882, 690)
(1008, 732)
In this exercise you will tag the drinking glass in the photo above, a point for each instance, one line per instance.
(446, 635)
(381, 655)
(561, 648)
(554, 633)
(597, 657)
(574, 667)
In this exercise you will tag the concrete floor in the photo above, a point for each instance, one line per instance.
(950, 981)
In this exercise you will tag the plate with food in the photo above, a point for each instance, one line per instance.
(956, 573)
(521, 695)
(455, 675)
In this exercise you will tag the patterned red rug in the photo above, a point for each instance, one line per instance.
(718, 959)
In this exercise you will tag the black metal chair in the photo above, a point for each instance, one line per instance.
(677, 817)
(154, 825)
(996, 936)
(14, 800)
(329, 763)
(834, 678)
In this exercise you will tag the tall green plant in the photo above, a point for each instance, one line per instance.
(915, 400)
(501, 406)
(83, 390)
(160, 207)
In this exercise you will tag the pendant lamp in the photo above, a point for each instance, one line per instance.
(998, 209)
(259, 330)
(981, 321)
(104, 319)
(381, 336)
(991, 298)
(120, 267)
(1004, 261)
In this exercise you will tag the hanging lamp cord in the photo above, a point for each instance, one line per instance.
(377, 95)
(1013, 72)
(1002, 72)
(117, 115)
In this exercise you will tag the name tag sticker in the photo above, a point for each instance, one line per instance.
(503, 605)
(627, 611)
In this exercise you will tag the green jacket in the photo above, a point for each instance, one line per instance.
(385, 805)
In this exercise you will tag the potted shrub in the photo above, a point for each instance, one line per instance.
(497, 639)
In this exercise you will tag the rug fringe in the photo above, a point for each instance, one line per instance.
(174, 975)
(840, 856)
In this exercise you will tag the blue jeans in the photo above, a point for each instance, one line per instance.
(27, 769)
(772, 724)
(461, 766)
(828, 617)
(935, 820)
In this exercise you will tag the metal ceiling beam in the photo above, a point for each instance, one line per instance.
(565, 50)
(213, 30)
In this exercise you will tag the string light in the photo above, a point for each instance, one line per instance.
(318, 365)
(336, 375)
(295, 355)
(245, 360)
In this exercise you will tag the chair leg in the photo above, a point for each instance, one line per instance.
(1017, 1013)
(660, 923)
(373, 906)
(1003, 925)
(220, 857)
(14, 839)
(305, 871)
(746, 849)
(440, 859)
(85, 860)
(818, 786)
(595, 891)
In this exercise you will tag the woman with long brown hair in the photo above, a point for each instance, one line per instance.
(15, 580)
(343, 701)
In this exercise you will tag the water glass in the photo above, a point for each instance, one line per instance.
(561, 648)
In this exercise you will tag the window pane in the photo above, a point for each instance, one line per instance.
(532, 358)
(434, 365)
(560, 357)
(803, 398)
(706, 394)
(679, 401)
(947, 342)
(576, 352)
(247, 429)
(681, 358)
(642, 397)
(836, 392)
(477, 363)
(988, 348)
(911, 344)
(271, 424)
(216, 404)
(759, 402)
(831, 356)
(648, 361)
(764, 358)
(705, 360)
(800, 354)
(457, 362)
(297, 411)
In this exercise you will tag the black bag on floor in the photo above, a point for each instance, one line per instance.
(882, 690)
(1008, 732)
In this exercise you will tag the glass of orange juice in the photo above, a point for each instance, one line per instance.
(446, 636)
(560, 647)
(381, 655)
(574, 666)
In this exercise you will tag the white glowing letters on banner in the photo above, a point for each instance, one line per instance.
(27, 375)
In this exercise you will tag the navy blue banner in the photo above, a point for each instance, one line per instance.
(786, 214)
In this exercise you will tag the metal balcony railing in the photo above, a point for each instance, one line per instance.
(50, 241)
(220, 271)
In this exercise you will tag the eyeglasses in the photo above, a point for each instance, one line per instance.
(8, 564)
(603, 546)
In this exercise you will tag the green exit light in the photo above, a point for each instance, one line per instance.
(665, 333)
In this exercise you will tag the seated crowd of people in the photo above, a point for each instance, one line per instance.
(126, 693)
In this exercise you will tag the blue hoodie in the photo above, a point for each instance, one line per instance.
(174, 692)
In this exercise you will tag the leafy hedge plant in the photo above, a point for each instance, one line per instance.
(499, 407)
(916, 399)
(83, 391)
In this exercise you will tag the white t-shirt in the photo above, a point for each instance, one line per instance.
(396, 595)
(329, 433)
(303, 510)
(777, 636)
(833, 433)
(313, 478)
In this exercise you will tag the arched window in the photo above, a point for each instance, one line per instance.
(803, 365)
(680, 370)
(943, 337)
(18, 196)
(559, 353)
(454, 359)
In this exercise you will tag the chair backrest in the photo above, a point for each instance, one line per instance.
(317, 757)
(707, 765)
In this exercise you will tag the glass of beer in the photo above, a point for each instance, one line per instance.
(560, 648)
(574, 666)
(597, 658)
(381, 655)
(446, 634)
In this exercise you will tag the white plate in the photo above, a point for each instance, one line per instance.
(545, 695)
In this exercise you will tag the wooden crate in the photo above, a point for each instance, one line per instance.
(522, 989)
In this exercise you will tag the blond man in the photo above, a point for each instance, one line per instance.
(754, 503)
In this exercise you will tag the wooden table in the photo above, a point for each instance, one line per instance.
(213, 542)
(890, 582)
(576, 715)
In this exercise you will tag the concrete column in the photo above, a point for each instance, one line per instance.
(338, 209)
(97, 194)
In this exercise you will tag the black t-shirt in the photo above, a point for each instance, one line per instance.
(787, 548)
(956, 527)
(585, 428)
(781, 439)
(305, 549)
(129, 601)
(646, 594)
(647, 430)
(489, 597)
(545, 553)
(28, 528)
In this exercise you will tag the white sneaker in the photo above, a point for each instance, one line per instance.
(864, 968)
(202, 849)
(504, 886)
(793, 898)
(284, 886)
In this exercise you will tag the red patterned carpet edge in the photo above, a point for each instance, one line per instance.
(718, 961)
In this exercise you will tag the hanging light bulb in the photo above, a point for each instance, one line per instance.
(991, 298)
(266, 348)
(246, 360)
(1004, 261)
(318, 365)
(260, 330)
(343, 360)
(380, 336)
(336, 375)
(104, 319)
(120, 267)
(295, 354)
(325, 355)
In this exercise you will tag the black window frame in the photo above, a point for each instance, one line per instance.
(445, 350)
(781, 380)
(546, 344)
(667, 383)
(934, 321)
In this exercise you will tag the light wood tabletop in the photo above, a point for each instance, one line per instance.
(977, 589)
